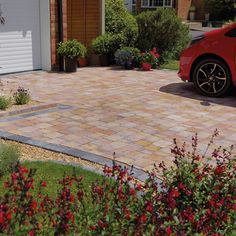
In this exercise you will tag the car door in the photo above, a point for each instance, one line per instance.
(231, 35)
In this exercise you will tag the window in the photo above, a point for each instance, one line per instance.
(157, 3)
(231, 33)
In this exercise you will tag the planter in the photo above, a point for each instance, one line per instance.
(128, 65)
(192, 15)
(83, 62)
(104, 60)
(70, 64)
(146, 66)
(205, 23)
(217, 24)
(94, 60)
(207, 16)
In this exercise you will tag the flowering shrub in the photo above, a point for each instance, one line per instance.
(194, 198)
(150, 58)
(22, 96)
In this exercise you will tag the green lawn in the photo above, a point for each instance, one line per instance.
(171, 65)
(51, 172)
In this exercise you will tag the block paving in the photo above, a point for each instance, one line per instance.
(135, 114)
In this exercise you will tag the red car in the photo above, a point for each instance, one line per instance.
(210, 61)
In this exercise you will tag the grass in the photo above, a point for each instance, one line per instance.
(51, 172)
(171, 65)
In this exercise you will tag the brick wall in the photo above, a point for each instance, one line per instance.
(54, 30)
(200, 9)
(183, 8)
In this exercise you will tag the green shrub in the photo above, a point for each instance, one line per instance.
(220, 9)
(120, 21)
(9, 156)
(22, 96)
(163, 30)
(134, 52)
(107, 43)
(5, 102)
(72, 49)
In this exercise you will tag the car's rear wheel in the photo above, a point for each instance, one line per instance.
(212, 77)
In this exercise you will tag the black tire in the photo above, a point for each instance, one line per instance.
(212, 77)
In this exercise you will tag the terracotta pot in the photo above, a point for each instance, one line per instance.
(83, 62)
(146, 66)
(70, 64)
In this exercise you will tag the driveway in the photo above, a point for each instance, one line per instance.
(132, 113)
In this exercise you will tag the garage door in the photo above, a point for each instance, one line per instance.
(19, 36)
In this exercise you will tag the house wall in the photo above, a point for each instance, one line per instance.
(200, 9)
(181, 7)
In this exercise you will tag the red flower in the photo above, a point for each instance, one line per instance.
(143, 218)
(101, 224)
(33, 205)
(9, 215)
(168, 230)
(219, 170)
(1, 217)
(31, 233)
(93, 227)
(43, 184)
(146, 66)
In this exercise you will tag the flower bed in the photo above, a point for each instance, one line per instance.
(194, 197)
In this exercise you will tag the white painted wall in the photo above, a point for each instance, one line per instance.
(45, 34)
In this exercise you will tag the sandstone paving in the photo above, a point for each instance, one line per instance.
(135, 114)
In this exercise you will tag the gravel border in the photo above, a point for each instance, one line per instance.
(34, 150)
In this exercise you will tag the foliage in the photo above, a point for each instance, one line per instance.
(220, 9)
(123, 57)
(21, 96)
(5, 102)
(136, 55)
(120, 21)
(9, 156)
(107, 43)
(151, 58)
(164, 30)
(72, 49)
(196, 197)
(171, 65)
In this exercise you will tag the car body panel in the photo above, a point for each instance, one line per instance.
(214, 43)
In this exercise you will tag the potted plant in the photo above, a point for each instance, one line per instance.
(192, 12)
(150, 60)
(124, 58)
(83, 61)
(71, 50)
(105, 45)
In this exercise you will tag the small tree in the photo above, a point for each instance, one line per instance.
(220, 9)
(163, 30)
(120, 21)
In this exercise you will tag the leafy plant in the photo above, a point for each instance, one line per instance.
(71, 49)
(220, 9)
(123, 56)
(9, 156)
(197, 196)
(5, 102)
(22, 96)
(151, 58)
(107, 43)
(119, 21)
(164, 30)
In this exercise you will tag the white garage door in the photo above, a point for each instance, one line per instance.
(19, 36)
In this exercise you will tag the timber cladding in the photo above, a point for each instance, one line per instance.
(83, 18)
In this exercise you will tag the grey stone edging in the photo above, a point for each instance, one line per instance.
(28, 109)
(98, 159)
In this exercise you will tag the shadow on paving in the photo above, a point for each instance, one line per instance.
(187, 90)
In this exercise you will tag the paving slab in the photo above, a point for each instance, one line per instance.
(135, 114)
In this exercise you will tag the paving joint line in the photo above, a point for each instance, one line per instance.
(30, 113)
(88, 156)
